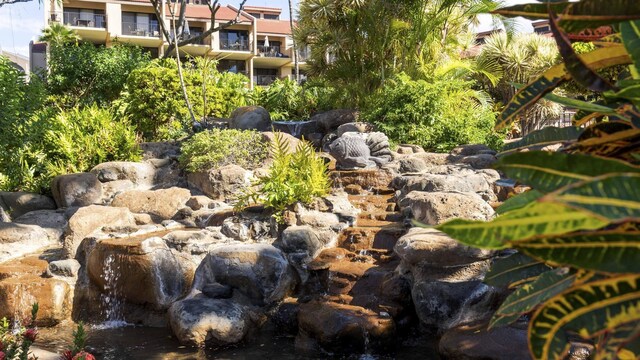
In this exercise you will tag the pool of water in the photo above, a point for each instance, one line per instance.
(143, 343)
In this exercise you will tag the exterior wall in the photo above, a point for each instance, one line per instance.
(114, 19)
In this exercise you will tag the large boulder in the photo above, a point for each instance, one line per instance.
(433, 247)
(140, 174)
(202, 320)
(87, 220)
(148, 272)
(470, 150)
(81, 189)
(19, 203)
(331, 119)
(162, 204)
(250, 118)
(429, 182)
(475, 342)
(54, 222)
(435, 208)
(19, 239)
(224, 183)
(258, 272)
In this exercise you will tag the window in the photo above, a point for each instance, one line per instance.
(237, 40)
(255, 15)
(234, 66)
(271, 17)
(139, 24)
(542, 30)
(84, 17)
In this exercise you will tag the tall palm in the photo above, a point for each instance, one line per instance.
(521, 58)
(295, 48)
(58, 35)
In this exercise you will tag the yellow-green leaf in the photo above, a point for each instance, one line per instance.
(547, 136)
(535, 219)
(588, 310)
(604, 251)
(514, 268)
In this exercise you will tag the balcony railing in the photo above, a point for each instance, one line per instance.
(93, 21)
(303, 54)
(271, 51)
(234, 45)
(264, 80)
(149, 30)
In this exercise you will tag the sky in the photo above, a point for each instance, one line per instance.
(22, 22)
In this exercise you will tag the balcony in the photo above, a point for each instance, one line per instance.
(264, 80)
(303, 54)
(271, 51)
(84, 20)
(148, 30)
(234, 45)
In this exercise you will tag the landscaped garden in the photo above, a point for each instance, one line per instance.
(408, 200)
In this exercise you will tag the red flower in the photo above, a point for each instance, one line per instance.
(67, 355)
(82, 355)
(1, 355)
(31, 334)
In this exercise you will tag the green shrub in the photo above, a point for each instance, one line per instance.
(84, 74)
(55, 142)
(215, 148)
(293, 177)
(438, 116)
(155, 103)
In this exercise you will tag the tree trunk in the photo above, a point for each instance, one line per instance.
(182, 84)
(295, 48)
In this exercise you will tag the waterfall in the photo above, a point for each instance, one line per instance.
(111, 302)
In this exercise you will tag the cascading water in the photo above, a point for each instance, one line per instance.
(112, 304)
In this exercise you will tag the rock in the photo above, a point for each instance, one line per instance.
(203, 202)
(112, 188)
(316, 218)
(19, 239)
(224, 183)
(86, 220)
(297, 129)
(54, 222)
(259, 272)
(368, 179)
(331, 119)
(435, 248)
(140, 174)
(22, 285)
(468, 150)
(481, 161)
(338, 204)
(148, 272)
(250, 118)
(346, 329)
(217, 291)
(433, 159)
(200, 320)
(81, 189)
(470, 182)
(19, 203)
(358, 127)
(162, 204)
(247, 227)
(301, 239)
(474, 342)
(436, 208)
(412, 165)
(269, 138)
(66, 268)
(160, 150)
(409, 149)
(196, 244)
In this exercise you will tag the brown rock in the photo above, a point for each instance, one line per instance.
(224, 183)
(438, 207)
(162, 204)
(81, 189)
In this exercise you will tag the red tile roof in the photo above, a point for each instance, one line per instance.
(274, 26)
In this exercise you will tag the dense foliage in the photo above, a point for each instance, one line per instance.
(54, 142)
(437, 115)
(578, 230)
(215, 148)
(294, 177)
(16, 339)
(155, 103)
(86, 74)
(287, 100)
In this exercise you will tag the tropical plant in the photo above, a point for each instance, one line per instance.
(521, 58)
(298, 176)
(153, 101)
(79, 340)
(578, 231)
(214, 148)
(16, 339)
(57, 34)
(55, 142)
(286, 100)
(438, 115)
(86, 74)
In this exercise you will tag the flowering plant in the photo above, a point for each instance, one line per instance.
(15, 340)
(77, 352)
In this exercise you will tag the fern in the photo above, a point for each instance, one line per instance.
(293, 177)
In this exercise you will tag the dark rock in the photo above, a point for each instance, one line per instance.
(217, 291)
(330, 120)
(19, 203)
(81, 189)
(250, 118)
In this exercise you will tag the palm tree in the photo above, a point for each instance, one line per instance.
(520, 59)
(295, 48)
(58, 35)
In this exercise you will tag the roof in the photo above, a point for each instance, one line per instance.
(274, 26)
(262, 8)
(202, 12)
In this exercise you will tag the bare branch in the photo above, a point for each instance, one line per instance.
(8, 2)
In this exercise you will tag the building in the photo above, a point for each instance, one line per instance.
(259, 45)
(20, 62)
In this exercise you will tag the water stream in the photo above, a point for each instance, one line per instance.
(111, 302)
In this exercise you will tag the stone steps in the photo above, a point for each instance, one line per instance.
(376, 237)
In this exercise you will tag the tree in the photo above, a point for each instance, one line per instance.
(58, 35)
(295, 47)
(519, 59)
